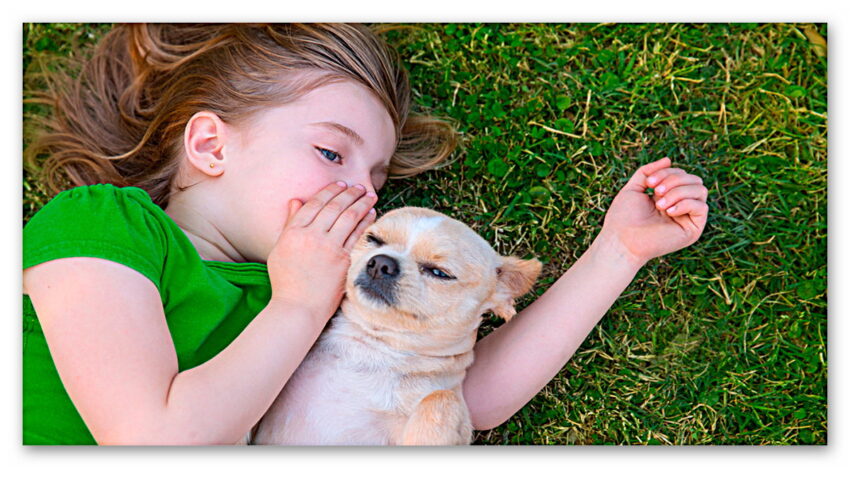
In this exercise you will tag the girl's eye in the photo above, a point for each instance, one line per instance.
(438, 273)
(330, 155)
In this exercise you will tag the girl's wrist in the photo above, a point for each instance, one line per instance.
(609, 248)
(285, 307)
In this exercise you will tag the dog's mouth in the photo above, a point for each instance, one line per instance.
(381, 293)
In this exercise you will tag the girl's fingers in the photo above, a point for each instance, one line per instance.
(358, 232)
(691, 215)
(294, 206)
(674, 180)
(659, 176)
(679, 193)
(308, 212)
(351, 218)
(638, 180)
(694, 207)
(328, 216)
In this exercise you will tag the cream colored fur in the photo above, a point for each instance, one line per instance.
(390, 371)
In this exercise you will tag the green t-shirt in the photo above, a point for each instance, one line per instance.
(206, 303)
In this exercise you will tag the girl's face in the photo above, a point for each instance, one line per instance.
(337, 132)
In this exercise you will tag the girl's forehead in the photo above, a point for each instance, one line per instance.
(345, 98)
(344, 107)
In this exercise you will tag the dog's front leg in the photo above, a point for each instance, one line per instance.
(441, 418)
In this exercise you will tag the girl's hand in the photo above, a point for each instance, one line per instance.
(671, 219)
(308, 264)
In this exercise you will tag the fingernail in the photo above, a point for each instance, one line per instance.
(360, 187)
(651, 180)
(672, 209)
(341, 183)
(662, 203)
(661, 189)
(372, 211)
(370, 194)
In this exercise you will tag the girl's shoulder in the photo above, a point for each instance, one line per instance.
(102, 220)
(101, 206)
(98, 197)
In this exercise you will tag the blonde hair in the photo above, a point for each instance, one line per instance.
(121, 120)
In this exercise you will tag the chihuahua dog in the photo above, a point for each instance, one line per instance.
(389, 367)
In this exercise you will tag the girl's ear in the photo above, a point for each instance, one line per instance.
(515, 278)
(203, 142)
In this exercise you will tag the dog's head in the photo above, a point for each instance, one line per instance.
(416, 270)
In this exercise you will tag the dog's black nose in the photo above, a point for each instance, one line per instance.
(382, 267)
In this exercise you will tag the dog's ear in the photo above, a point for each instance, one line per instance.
(516, 276)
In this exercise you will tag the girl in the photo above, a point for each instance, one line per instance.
(224, 173)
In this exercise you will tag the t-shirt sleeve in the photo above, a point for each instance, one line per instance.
(102, 221)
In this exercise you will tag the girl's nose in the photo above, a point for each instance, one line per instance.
(367, 183)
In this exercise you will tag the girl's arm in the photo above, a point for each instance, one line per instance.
(518, 359)
(106, 330)
(107, 334)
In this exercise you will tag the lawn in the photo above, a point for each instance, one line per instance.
(721, 343)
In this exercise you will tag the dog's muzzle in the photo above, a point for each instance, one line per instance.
(379, 279)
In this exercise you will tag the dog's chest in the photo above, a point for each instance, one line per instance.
(347, 391)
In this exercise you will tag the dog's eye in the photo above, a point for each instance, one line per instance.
(374, 240)
(436, 272)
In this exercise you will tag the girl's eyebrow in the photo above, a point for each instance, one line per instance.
(342, 129)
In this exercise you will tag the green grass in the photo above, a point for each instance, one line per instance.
(721, 343)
